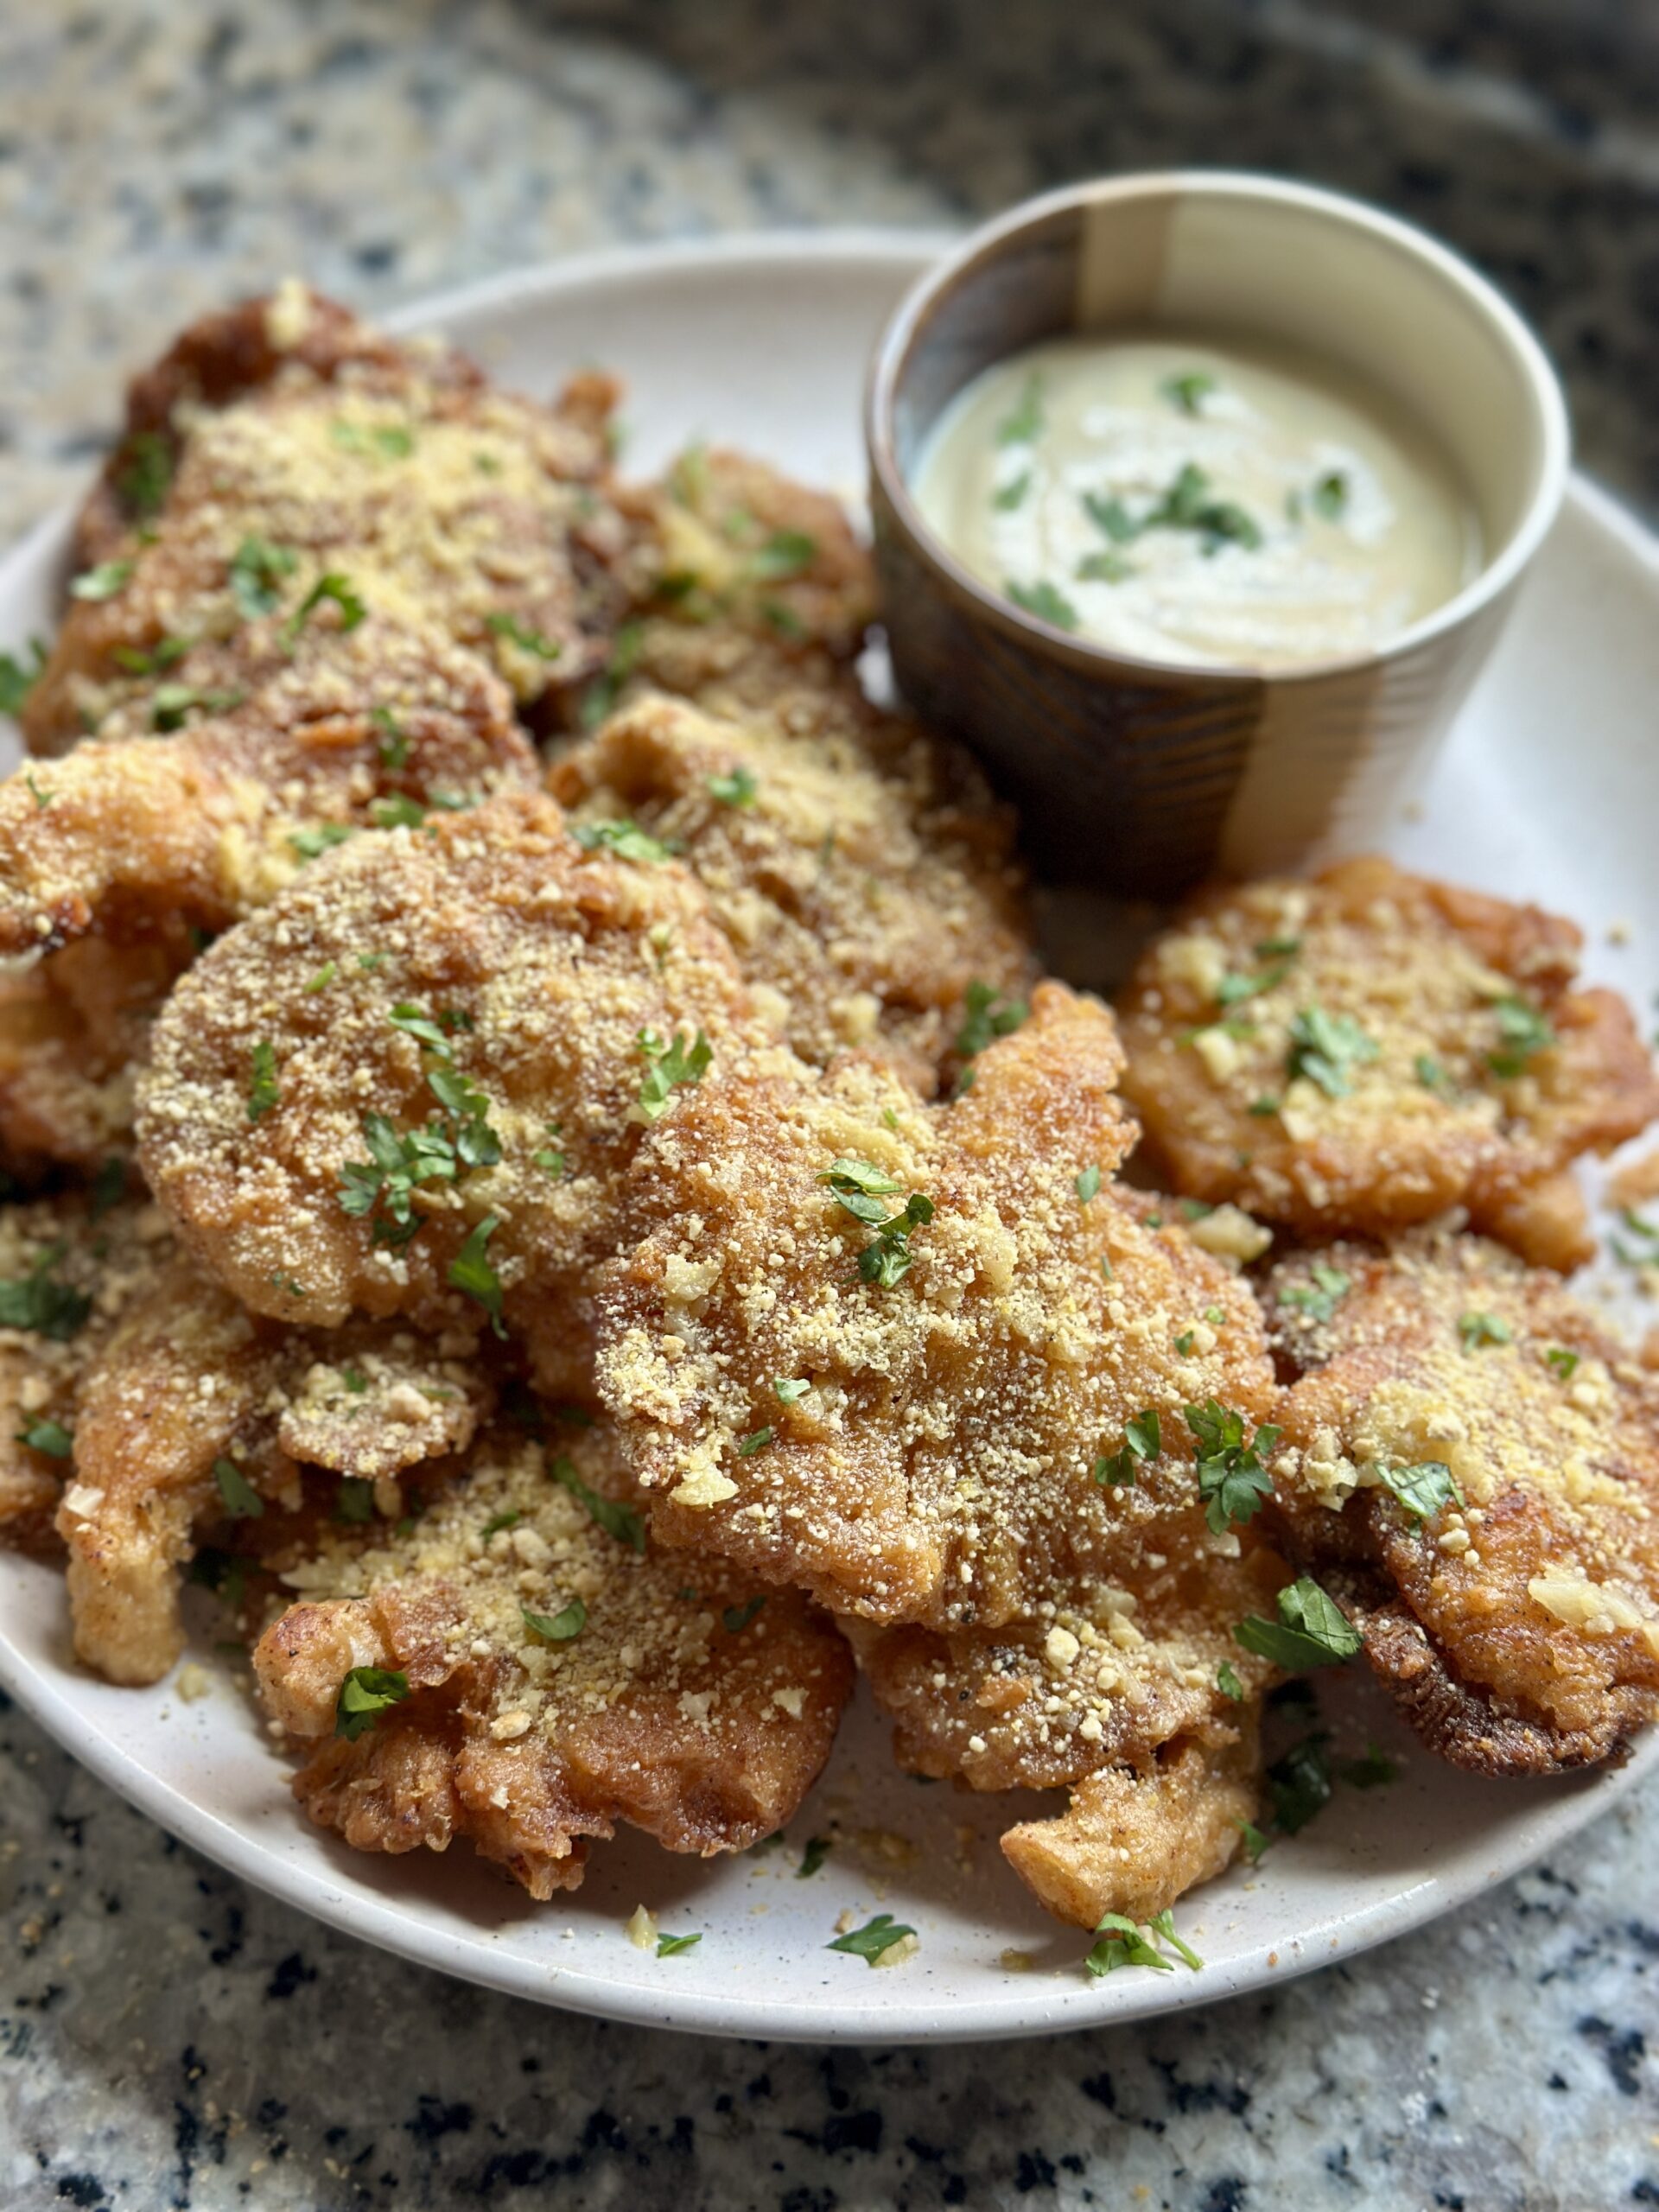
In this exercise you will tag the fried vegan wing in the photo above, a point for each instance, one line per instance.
(1514, 1617)
(417, 1075)
(1363, 1051)
(862, 874)
(556, 1677)
(876, 1349)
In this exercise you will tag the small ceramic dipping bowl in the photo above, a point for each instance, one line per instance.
(1137, 775)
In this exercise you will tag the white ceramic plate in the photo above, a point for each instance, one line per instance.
(1549, 791)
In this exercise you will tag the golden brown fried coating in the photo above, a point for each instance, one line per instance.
(529, 970)
(1518, 1628)
(936, 1468)
(862, 874)
(703, 1716)
(347, 732)
(187, 1382)
(1463, 1068)
(72, 1030)
(391, 483)
(70, 1269)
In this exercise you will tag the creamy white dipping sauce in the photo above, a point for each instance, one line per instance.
(1196, 502)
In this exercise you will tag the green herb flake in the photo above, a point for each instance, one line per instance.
(108, 1186)
(1374, 1771)
(1087, 1185)
(790, 1389)
(1006, 497)
(1121, 1942)
(1106, 567)
(1254, 1841)
(626, 839)
(785, 554)
(1228, 1683)
(1142, 1441)
(1563, 1361)
(497, 1522)
(1326, 1048)
(670, 1947)
(1320, 1297)
(1162, 1925)
(873, 1940)
(242, 1501)
(389, 441)
(735, 1619)
(1188, 393)
(738, 789)
(42, 799)
(1023, 424)
(818, 1848)
(615, 1519)
(1109, 515)
(986, 1016)
(1421, 1492)
(1311, 1631)
(263, 1091)
(50, 1437)
(398, 812)
(17, 680)
(556, 1628)
(1477, 1329)
(257, 568)
(355, 1501)
(1522, 1031)
(471, 1271)
(311, 844)
(103, 582)
(1299, 1784)
(671, 1062)
(527, 639)
(1432, 1074)
(143, 472)
(1329, 497)
(1045, 600)
(334, 587)
(1233, 1479)
(365, 1694)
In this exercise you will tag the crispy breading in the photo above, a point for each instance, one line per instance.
(531, 971)
(426, 498)
(862, 874)
(1518, 1627)
(1133, 1842)
(937, 1469)
(187, 1382)
(338, 734)
(70, 1267)
(1463, 1070)
(69, 1042)
(702, 1715)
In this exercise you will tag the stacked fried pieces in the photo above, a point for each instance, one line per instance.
(556, 1187)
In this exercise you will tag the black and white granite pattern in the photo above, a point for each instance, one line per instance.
(168, 2039)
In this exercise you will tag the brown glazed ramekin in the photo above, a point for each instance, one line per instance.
(1137, 775)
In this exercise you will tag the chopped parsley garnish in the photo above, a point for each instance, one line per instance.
(1478, 1329)
(1106, 567)
(1187, 505)
(1045, 600)
(144, 472)
(42, 799)
(521, 634)
(1278, 948)
(500, 1521)
(784, 619)
(1522, 1030)
(1184, 1343)
(818, 1848)
(859, 1189)
(108, 1186)
(602, 693)
(391, 439)
(1432, 1074)
(1142, 1441)
(103, 582)
(355, 1380)
(670, 1063)
(1227, 1681)
(1233, 1478)
(1190, 391)
(393, 747)
(1311, 1631)
(626, 839)
(257, 568)
(1233, 989)
(1110, 514)
(669, 1947)
(1006, 497)
(790, 1389)
(1374, 1771)
(332, 587)
(616, 1520)
(1024, 422)
(354, 1502)
(48, 1436)
(263, 1091)
(1121, 1942)
(324, 976)
(50, 1309)
(1326, 1048)
(1299, 1783)
(1329, 497)
(1318, 1298)
(987, 1016)
(558, 1628)
(1421, 1492)
(443, 1151)
(17, 681)
(242, 1501)
(786, 553)
(364, 1694)
(311, 843)
(398, 812)
(735, 1619)
(1264, 1109)
(426, 1029)
(1254, 1841)
(873, 1940)
(551, 1158)
(739, 789)
(1562, 1361)
(756, 1440)
(222, 1572)
(1087, 1185)
(170, 703)
(471, 1271)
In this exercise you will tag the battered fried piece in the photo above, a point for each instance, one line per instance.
(917, 1448)
(72, 1029)
(345, 732)
(559, 1679)
(393, 484)
(69, 1268)
(418, 1073)
(187, 1384)
(863, 876)
(1362, 1052)
(1517, 1625)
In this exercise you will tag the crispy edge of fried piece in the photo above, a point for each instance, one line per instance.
(1335, 1180)
(1132, 1842)
(338, 727)
(868, 934)
(549, 963)
(68, 1045)
(938, 1470)
(462, 1755)
(188, 1381)
(1490, 1676)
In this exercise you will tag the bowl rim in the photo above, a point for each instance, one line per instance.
(1496, 578)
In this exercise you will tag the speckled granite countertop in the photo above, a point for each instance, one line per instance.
(169, 2039)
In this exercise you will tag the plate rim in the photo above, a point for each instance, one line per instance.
(385, 1923)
